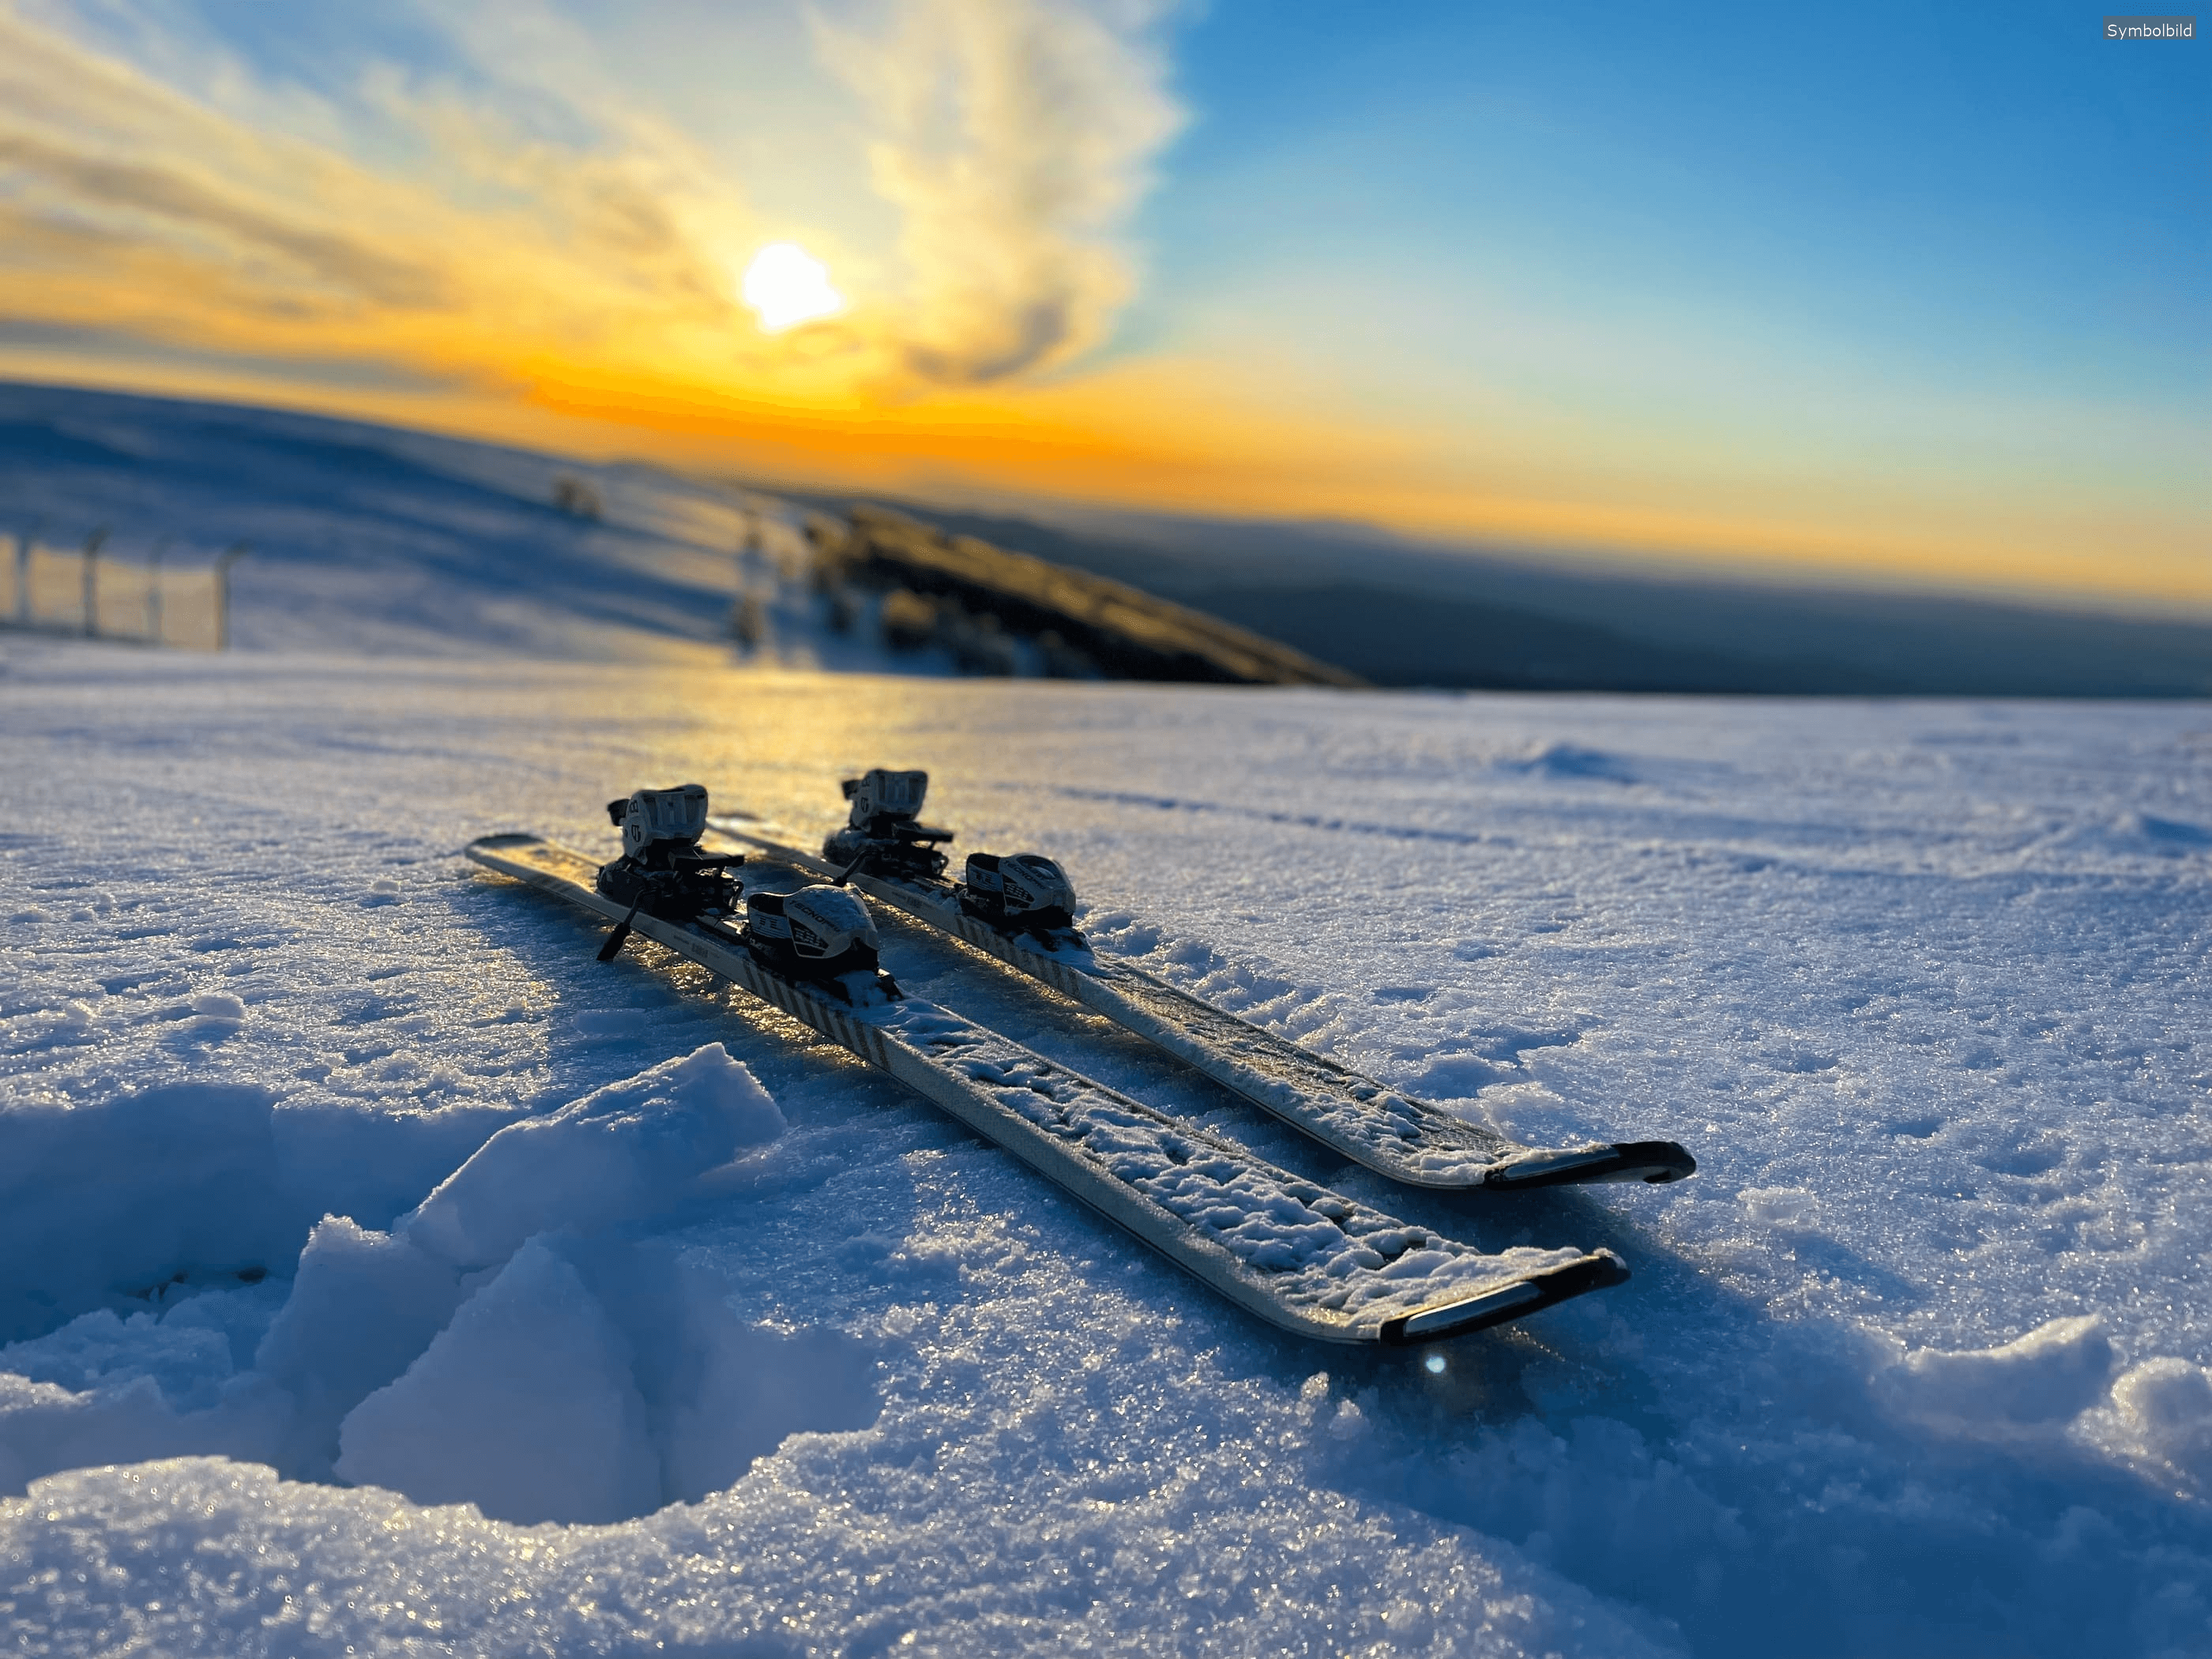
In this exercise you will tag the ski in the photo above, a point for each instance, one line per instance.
(1019, 910)
(1298, 1255)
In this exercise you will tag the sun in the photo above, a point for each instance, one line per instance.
(786, 285)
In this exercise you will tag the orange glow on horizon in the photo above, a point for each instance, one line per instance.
(1163, 437)
(1170, 438)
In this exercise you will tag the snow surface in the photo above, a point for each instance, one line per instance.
(380, 1273)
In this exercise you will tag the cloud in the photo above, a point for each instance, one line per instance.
(499, 209)
(402, 222)
(1016, 137)
(166, 194)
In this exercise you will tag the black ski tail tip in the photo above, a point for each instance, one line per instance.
(508, 838)
(1656, 1162)
(1597, 1271)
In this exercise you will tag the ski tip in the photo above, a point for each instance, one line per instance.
(1597, 1271)
(1655, 1162)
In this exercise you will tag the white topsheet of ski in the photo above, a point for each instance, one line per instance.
(1297, 1255)
(1407, 1140)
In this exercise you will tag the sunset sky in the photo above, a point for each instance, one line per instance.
(1878, 292)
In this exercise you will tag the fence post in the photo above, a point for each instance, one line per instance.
(154, 590)
(92, 543)
(229, 557)
(23, 570)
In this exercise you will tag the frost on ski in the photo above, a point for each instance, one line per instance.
(1312, 1247)
(1396, 1133)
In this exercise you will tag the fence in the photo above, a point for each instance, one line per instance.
(162, 598)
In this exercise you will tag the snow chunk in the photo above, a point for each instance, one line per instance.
(45, 1428)
(630, 1149)
(103, 1389)
(596, 1380)
(230, 1371)
(1349, 1423)
(523, 1406)
(2166, 1406)
(1780, 1206)
(364, 1305)
(218, 1005)
(2048, 1376)
(1567, 760)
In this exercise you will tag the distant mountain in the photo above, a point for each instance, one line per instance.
(1083, 622)
(1397, 613)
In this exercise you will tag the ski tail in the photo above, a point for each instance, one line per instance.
(1655, 1162)
(1599, 1270)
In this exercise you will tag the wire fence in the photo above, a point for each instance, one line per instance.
(164, 595)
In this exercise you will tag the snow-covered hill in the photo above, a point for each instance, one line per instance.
(372, 539)
(339, 1177)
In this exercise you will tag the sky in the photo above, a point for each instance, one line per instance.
(1881, 293)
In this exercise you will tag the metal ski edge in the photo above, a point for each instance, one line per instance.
(1492, 1303)
(1099, 987)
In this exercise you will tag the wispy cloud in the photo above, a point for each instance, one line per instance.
(113, 192)
(404, 219)
(1016, 137)
(512, 212)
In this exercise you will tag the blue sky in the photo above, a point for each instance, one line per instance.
(1994, 187)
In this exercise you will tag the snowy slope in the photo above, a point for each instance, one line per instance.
(778, 1362)
(369, 538)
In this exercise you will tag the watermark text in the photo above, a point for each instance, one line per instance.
(2150, 28)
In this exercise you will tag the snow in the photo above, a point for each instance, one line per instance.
(377, 1275)
(374, 540)
(622, 1153)
(361, 1360)
(524, 1404)
(2166, 1406)
(2046, 1378)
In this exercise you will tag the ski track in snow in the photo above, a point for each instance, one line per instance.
(1915, 1363)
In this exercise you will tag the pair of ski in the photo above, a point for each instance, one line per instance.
(1297, 1255)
